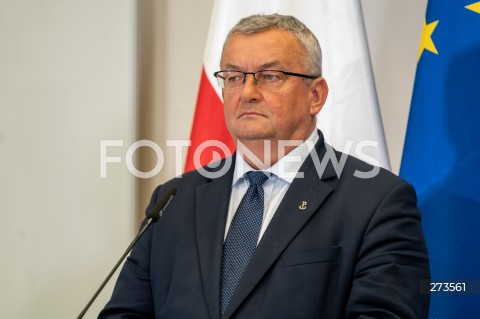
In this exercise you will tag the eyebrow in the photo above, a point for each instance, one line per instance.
(264, 66)
(271, 64)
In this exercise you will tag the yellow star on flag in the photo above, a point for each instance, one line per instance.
(475, 7)
(426, 42)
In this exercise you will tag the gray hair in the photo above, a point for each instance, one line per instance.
(261, 22)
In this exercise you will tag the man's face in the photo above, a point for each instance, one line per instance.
(254, 112)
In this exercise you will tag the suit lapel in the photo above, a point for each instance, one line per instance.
(212, 201)
(301, 202)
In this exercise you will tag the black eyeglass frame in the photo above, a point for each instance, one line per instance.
(311, 77)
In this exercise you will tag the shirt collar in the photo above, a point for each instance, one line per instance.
(286, 168)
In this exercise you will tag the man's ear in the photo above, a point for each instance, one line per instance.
(319, 92)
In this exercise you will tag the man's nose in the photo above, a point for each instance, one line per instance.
(250, 89)
(253, 78)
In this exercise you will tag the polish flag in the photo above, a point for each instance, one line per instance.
(350, 119)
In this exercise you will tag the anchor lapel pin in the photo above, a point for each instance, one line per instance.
(303, 205)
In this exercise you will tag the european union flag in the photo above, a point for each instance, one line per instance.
(441, 156)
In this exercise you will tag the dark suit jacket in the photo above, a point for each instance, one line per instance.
(356, 251)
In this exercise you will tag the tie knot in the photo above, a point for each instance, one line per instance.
(256, 178)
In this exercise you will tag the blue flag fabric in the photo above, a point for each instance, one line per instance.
(441, 157)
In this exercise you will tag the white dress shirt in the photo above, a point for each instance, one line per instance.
(282, 174)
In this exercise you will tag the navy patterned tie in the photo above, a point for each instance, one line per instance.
(242, 237)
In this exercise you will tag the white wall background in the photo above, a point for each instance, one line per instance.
(68, 80)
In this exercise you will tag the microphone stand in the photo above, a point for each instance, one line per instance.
(153, 216)
(119, 262)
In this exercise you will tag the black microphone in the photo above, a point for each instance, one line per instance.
(152, 217)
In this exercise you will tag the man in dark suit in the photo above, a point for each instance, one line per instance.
(287, 227)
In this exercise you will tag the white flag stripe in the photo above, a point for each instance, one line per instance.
(351, 112)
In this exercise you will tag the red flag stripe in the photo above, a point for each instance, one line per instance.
(208, 124)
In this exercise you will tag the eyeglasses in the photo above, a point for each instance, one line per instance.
(232, 79)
